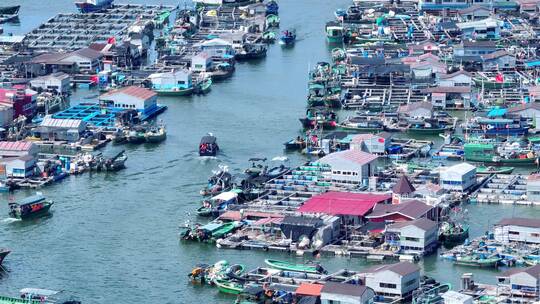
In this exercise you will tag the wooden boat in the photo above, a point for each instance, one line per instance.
(204, 86)
(296, 144)
(156, 134)
(282, 265)
(272, 21)
(251, 51)
(319, 117)
(136, 136)
(288, 38)
(208, 145)
(489, 153)
(174, 91)
(454, 234)
(362, 123)
(218, 203)
(476, 261)
(269, 37)
(224, 230)
(222, 71)
(494, 170)
(9, 10)
(117, 162)
(334, 33)
(229, 287)
(272, 8)
(30, 207)
(3, 253)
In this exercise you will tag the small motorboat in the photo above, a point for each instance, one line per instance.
(208, 145)
(136, 136)
(116, 163)
(30, 207)
(295, 144)
(288, 37)
(272, 8)
(283, 265)
(272, 21)
(269, 37)
(485, 170)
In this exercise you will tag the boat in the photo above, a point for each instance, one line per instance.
(136, 136)
(531, 259)
(296, 144)
(272, 8)
(494, 170)
(229, 287)
(204, 86)
(269, 37)
(272, 21)
(30, 207)
(362, 123)
(173, 83)
(497, 127)
(334, 32)
(225, 230)
(9, 10)
(39, 296)
(89, 6)
(453, 233)
(117, 162)
(449, 152)
(208, 145)
(288, 37)
(493, 154)
(319, 117)
(251, 51)
(339, 54)
(427, 127)
(218, 203)
(156, 134)
(219, 182)
(3, 253)
(475, 260)
(282, 265)
(222, 71)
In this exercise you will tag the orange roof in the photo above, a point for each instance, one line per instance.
(307, 289)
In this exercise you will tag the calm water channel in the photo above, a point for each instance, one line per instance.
(112, 238)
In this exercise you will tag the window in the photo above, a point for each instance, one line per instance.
(412, 239)
(513, 232)
(410, 282)
(388, 285)
(535, 234)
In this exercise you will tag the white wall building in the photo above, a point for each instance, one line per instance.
(458, 177)
(397, 280)
(342, 293)
(457, 79)
(132, 97)
(201, 62)
(417, 236)
(350, 166)
(524, 230)
(59, 82)
(524, 282)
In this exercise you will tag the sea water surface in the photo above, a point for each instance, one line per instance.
(112, 237)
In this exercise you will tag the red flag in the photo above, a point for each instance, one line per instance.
(499, 78)
(111, 40)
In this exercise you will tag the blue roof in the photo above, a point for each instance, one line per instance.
(32, 199)
(496, 112)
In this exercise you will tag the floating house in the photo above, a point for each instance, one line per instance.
(460, 78)
(350, 207)
(528, 110)
(516, 229)
(524, 282)
(19, 167)
(56, 82)
(85, 60)
(394, 280)
(137, 98)
(474, 13)
(460, 177)
(474, 49)
(350, 166)
(217, 47)
(488, 28)
(418, 236)
(14, 149)
(499, 60)
(341, 293)
(371, 143)
(61, 129)
(176, 82)
(419, 109)
(22, 100)
(201, 62)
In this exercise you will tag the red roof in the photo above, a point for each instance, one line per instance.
(15, 145)
(308, 289)
(343, 203)
(355, 156)
(235, 215)
(137, 92)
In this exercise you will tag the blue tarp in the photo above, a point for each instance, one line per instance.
(496, 112)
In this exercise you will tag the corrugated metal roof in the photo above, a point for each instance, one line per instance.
(48, 121)
(350, 156)
(15, 145)
(343, 203)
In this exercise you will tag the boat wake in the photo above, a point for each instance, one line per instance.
(10, 220)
